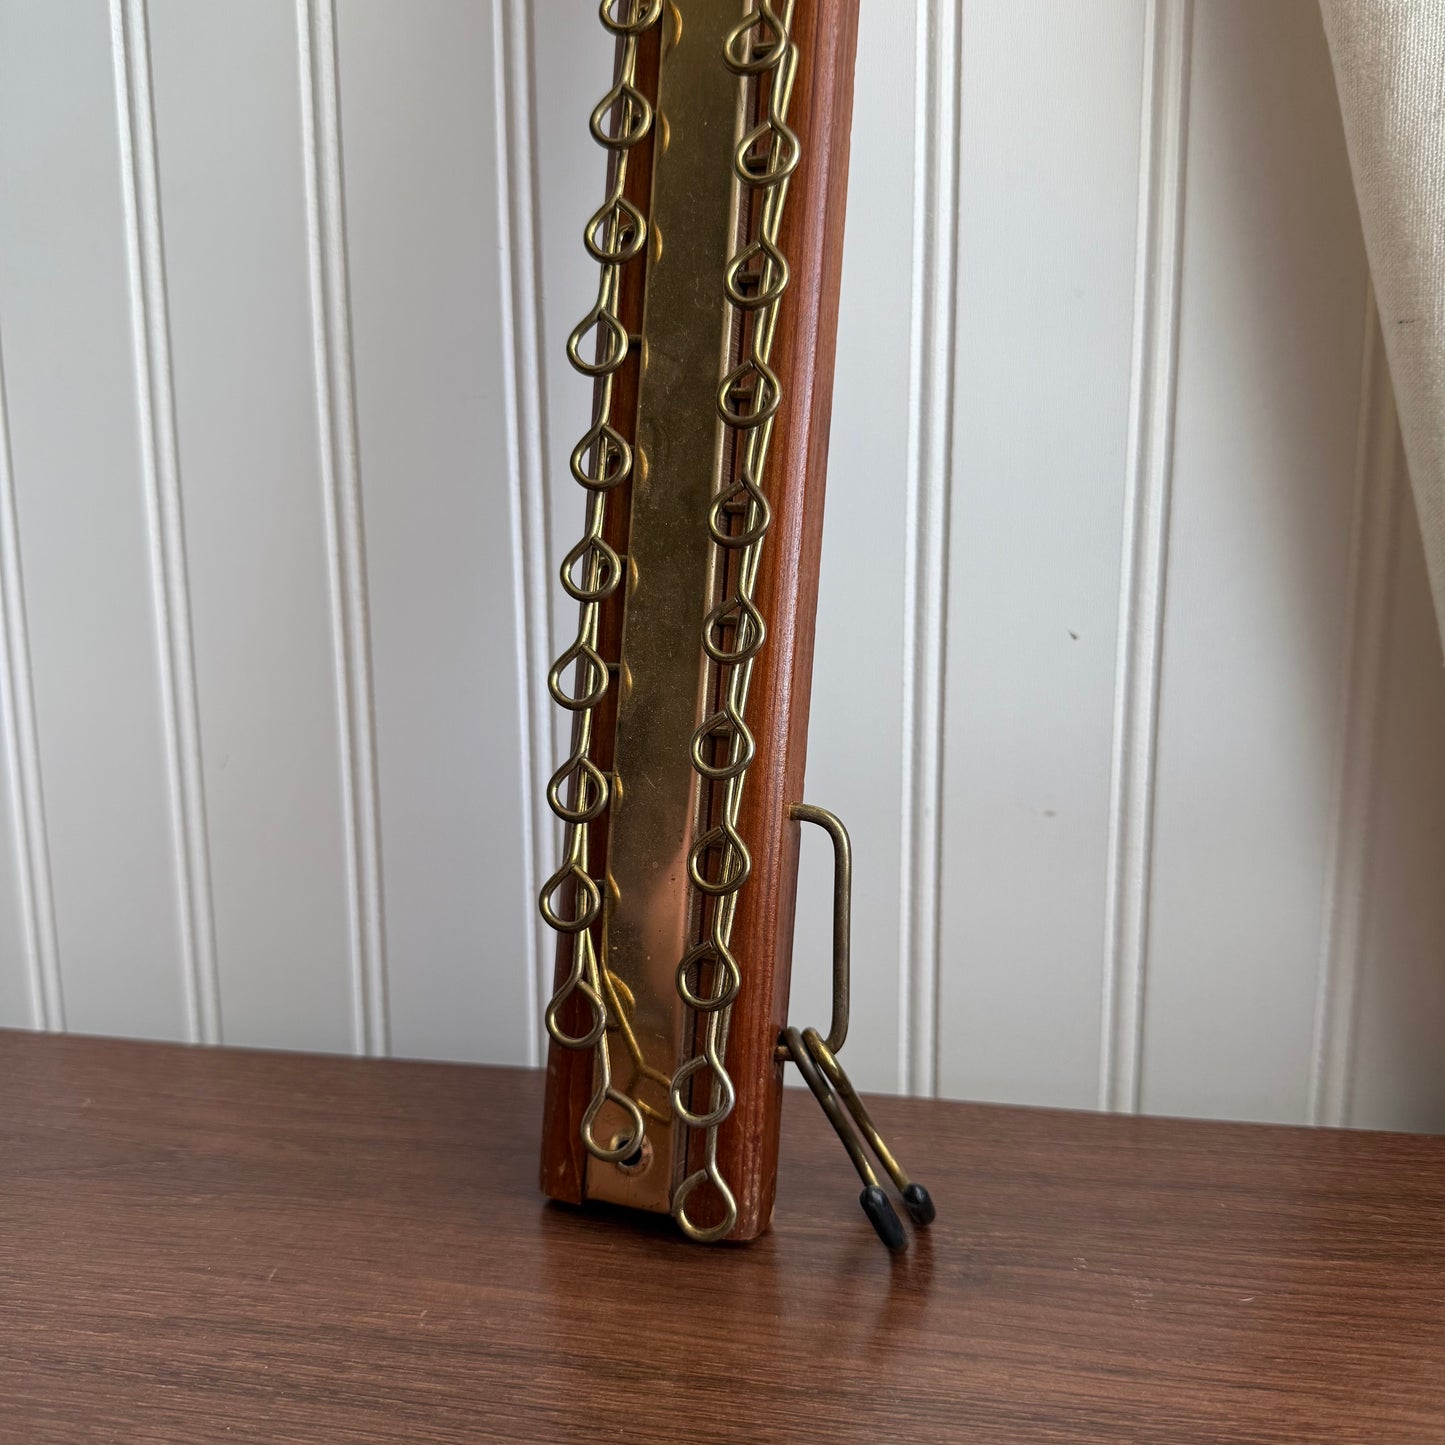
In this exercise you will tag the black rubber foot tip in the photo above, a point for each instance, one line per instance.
(885, 1221)
(920, 1205)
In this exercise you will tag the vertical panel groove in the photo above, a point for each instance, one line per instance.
(22, 755)
(1163, 144)
(930, 460)
(341, 487)
(160, 464)
(527, 457)
(1373, 534)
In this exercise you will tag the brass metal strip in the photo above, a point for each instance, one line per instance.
(649, 909)
(579, 792)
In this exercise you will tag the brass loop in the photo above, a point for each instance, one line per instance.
(741, 615)
(587, 889)
(612, 342)
(723, 1088)
(599, 1015)
(707, 1175)
(719, 515)
(747, 53)
(721, 958)
(624, 229)
(738, 746)
(762, 266)
(610, 454)
(763, 168)
(733, 872)
(628, 1143)
(645, 20)
(597, 560)
(765, 394)
(634, 117)
(587, 775)
(592, 666)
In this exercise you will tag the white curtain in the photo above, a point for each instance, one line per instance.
(1389, 61)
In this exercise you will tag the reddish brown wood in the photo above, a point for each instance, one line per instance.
(812, 240)
(206, 1245)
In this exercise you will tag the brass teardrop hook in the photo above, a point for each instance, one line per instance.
(602, 459)
(588, 898)
(558, 1001)
(756, 43)
(592, 677)
(637, 15)
(617, 233)
(705, 953)
(757, 276)
(634, 117)
(767, 154)
(600, 568)
(723, 734)
(733, 870)
(705, 1234)
(743, 496)
(724, 1091)
(612, 344)
(622, 1145)
(734, 631)
(589, 790)
(749, 394)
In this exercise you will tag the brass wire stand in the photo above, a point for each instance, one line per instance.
(817, 1061)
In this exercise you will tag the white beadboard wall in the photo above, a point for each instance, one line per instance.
(1127, 682)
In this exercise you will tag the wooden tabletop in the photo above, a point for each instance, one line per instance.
(201, 1245)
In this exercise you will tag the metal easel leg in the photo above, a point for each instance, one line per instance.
(817, 1060)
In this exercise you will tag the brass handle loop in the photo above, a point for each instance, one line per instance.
(834, 827)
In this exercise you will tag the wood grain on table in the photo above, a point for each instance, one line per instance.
(201, 1245)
